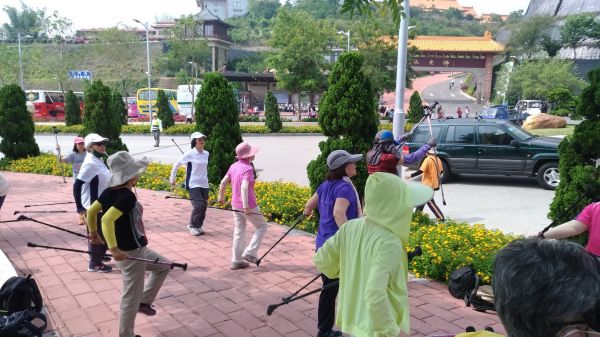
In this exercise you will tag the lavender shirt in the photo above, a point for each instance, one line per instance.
(328, 191)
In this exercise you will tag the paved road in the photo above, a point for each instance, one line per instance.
(450, 99)
(512, 204)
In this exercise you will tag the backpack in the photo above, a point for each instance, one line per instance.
(462, 282)
(20, 293)
(23, 324)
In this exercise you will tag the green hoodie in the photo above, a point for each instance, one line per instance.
(368, 255)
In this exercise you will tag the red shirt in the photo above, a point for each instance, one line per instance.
(387, 163)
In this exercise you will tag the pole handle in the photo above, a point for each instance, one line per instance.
(179, 265)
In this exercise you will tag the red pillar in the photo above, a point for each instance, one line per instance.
(489, 73)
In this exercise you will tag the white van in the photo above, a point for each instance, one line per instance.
(186, 94)
(529, 106)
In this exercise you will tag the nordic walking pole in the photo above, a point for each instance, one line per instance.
(26, 218)
(62, 168)
(437, 170)
(299, 290)
(561, 215)
(52, 204)
(156, 261)
(173, 140)
(298, 220)
(219, 208)
(17, 212)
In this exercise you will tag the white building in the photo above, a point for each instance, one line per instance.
(224, 8)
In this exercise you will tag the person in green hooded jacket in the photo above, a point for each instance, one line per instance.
(369, 257)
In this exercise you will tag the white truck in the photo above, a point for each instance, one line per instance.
(186, 98)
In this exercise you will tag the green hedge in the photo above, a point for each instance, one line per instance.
(446, 246)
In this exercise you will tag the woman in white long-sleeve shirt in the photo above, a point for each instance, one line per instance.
(196, 180)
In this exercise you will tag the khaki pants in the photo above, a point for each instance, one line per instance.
(239, 234)
(134, 291)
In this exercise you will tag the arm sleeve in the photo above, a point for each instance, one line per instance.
(416, 156)
(176, 166)
(585, 217)
(327, 258)
(108, 226)
(160, 125)
(70, 158)
(92, 215)
(94, 189)
(77, 195)
(244, 191)
(416, 173)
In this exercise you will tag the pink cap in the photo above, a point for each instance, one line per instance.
(244, 150)
(78, 140)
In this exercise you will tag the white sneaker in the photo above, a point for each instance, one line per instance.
(196, 231)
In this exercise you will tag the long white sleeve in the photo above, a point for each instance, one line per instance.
(244, 191)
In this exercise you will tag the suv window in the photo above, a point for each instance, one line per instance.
(493, 135)
(421, 135)
(460, 134)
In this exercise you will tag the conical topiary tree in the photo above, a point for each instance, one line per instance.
(415, 108)
(72, 109)
(118, 106)
(579, 174)
(16, 124)
(347, 116)
(164, 111)
(99, 116)
(273, 119)
(217, 118)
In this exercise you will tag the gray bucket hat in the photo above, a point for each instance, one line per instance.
(124, 167)
(338, 158)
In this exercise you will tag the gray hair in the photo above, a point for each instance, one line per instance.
(542, 285)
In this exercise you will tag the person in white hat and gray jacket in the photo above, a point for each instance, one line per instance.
(91, 181)
(125, 236)
(196, 180)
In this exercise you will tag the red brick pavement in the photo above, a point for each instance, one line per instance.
(206, 300)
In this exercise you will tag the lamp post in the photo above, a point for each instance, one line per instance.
(20, 61)
(348, 35)
(145, 25)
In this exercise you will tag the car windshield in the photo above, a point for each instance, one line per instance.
(519, 133)
(489, 113)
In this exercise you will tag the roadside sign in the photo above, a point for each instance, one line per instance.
(80, 75)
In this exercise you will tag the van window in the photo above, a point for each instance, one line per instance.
(493, 135)
(421, 135)
(460, 134)
(32, 96)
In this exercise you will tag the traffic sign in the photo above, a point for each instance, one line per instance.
(80, 75)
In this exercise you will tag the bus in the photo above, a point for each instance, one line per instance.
(146, 97)
(185, 95)
(47, 104)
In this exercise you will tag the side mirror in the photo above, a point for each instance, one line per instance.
(515, 143)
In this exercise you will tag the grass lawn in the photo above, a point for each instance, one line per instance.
(567, 131)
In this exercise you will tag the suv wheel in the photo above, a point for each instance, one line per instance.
(548, 176)
(446, 174)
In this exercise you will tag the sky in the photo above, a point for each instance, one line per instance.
(108, 13)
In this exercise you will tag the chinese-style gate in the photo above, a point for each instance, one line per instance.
(459, 54)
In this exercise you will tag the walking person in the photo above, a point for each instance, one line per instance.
(125, 235)
(242, 175)
(76, 159)
(189, 117)
(368, 255)
(337, 201)
(196, 180)
(459, 112)
(91, 181)
(467, 111)
(156, 128)
(431, 169)
(440, 112)
(386, 154)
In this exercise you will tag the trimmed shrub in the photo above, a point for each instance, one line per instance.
(348, 117)
(415, 108)
(72, 109)
(217, 118)
(164, 111)
(273, 119)
(16, 125)
(100, 118)
(119, 108)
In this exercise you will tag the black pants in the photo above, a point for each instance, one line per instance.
(199, 198)
(434, 208)
(156, 135)
(326, 312)
(96, 259)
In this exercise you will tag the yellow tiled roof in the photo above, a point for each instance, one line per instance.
(483, 44)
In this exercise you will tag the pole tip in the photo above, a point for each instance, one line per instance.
(271, 308)
(29, 244)
(21, 217)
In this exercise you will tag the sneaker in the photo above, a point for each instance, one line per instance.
(105, 258)
(100, 268)
(331, 333)
(250, 258)
(195, 231)
(147, 309)
(239, 265)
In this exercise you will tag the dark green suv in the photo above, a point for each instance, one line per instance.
(494, 147)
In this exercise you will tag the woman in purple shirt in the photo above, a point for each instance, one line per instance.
(337, 201)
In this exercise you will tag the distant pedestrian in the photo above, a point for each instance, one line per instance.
(440, 112)
(156, 128)
(459, 112)
(196, 180)
(189, 117)
(391, 114)
(76, 159)
(431, 168)
(451, 84)
(242, 175)
(467, 111)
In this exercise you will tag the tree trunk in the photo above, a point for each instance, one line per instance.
(299, 111)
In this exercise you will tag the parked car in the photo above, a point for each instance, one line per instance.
(490, 147)
(502, 112)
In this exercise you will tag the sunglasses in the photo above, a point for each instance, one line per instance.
(100, 143)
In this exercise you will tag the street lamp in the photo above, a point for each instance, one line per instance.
(145, 25)
(348, 35)
(507, 81)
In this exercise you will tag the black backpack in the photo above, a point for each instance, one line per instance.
(20, 293)
(23, 324)
(462, 282)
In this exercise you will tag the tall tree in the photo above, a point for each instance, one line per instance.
(27, 22)
(272, 117)
(415, 108)
(58, 29)
(301, 42)
(72, 109)
(121, 47)
(263, 8)
(577, 28)
(118, 107)
(527, 37)
(100, 117)
(319, 9)
(16, 124)
(217, 118)
(185, 48)
(347, 116)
